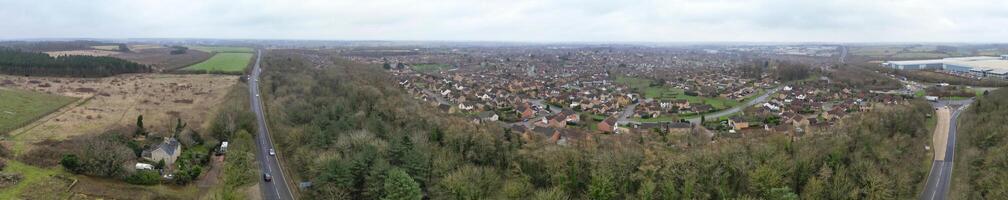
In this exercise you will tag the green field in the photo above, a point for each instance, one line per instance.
(19, 107)
(430, 67)
(220, 49)
(669, 93)
(223, 62)
(34, 177)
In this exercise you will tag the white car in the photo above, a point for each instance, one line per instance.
(272, 153)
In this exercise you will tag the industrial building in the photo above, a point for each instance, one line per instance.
(978, 66)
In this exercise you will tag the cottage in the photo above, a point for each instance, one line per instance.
(168, 151)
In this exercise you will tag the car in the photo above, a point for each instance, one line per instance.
(272, 153)
(267, 177)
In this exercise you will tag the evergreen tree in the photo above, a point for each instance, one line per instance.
(399, 186)
(140, 127)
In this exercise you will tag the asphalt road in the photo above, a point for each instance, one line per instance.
(277, 188)
(714, 116)
(941, 170)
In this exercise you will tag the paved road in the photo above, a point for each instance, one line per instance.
(737, 108)
(843, 54)
(276, 189)
(941, 169)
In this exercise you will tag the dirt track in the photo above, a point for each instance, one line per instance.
(941, 132)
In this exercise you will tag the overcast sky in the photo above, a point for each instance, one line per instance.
(514, 20)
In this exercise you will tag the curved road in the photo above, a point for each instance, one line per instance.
(276, 189)
(941, 169)
(737, 108)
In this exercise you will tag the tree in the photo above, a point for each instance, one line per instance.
(602, 186)
(140, 127)
(554, 193)
(399, 186)
(71, 163)
(160, 164)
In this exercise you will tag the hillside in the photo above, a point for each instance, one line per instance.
(353, 134)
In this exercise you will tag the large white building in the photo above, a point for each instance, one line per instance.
(979, 66)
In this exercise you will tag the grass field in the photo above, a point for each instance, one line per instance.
(35, 179)
(219, 49)
(20, 107)
(430, 67)
(224, 62)
(666, 93)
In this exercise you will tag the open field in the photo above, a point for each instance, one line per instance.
(38, 183)
(430, 67)
(160, 58)
(224, 62)
(219, 49)
(20, 107)
(82, 53)
(107, 47)
(665, 93)
(116, 101)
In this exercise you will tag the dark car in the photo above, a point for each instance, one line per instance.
(267, 177)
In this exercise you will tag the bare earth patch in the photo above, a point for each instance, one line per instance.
(116, 101)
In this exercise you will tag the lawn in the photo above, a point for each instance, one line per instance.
(633, 82)
(220, 49)
(20, 107)
(223, 62)
(430, 67)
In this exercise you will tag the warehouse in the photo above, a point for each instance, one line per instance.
(979, 66)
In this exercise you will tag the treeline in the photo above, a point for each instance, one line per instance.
(42, 46)
(17, 62)
(355, 135)
(981, 159)
(862, 76)
(791, 71)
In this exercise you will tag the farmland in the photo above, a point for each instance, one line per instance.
(223, 62)
(219, 49)
(115, 102)
(160, 58)
(19, 107)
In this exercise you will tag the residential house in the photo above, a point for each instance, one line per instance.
(168, 151)
(608, 125)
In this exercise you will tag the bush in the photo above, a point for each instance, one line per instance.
(71, 163)
(144, 177)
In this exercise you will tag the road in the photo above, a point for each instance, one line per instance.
(843, 54)
(737, 108)
(276, 189)
(941, 169)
